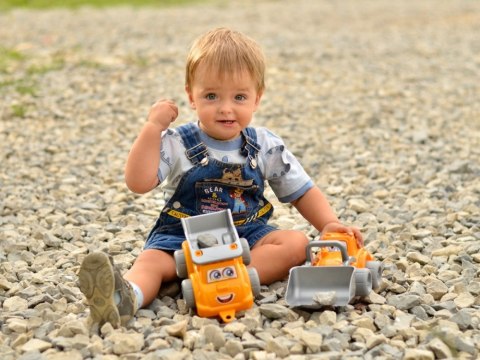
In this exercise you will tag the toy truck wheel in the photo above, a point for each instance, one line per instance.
(246, 251)
(363, 282)
(180, 264)
(254, 281)
(376, 268)
(188, 295)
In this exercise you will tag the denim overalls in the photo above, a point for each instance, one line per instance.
(212, 185)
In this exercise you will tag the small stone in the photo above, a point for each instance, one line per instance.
(312, 340)
(417, 257)
(15, 303)
(72, 328)
(440, 349)
(235, 327)
(214, 334)
(331, 345)
(70, 355)
(375, 340)
(36, 345)
(207, 240)
(448, 250)
(178, 329)
(277, 347)
(198, 322)
(374, 298)
(361, 334)
(402, 320)
(5, 284)
(328, 317)
(124, 343)
(358, 205)
(364, 322)
(420, 234)
(418, 354)
(436, 288)
(464, 300)
(107, 329)
(276, 311)
(382, 320)
(463, 319)
(325, 298)
(404, 301)
(51, 240)
(233, 347)
(17, 325)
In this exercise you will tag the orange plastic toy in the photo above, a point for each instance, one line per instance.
(214, 259)
(359, 255)
(334, 274)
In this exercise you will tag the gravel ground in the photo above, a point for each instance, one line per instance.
(379, 100)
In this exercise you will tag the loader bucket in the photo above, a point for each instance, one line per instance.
(317, 286)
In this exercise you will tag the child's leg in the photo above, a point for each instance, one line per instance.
(276, 253)
(150, 269)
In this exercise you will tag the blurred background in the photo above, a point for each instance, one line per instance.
(45, 4)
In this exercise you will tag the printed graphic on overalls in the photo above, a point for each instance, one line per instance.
(227, 192)
(239, 203)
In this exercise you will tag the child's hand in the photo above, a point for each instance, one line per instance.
(163, 113)
(337, 227)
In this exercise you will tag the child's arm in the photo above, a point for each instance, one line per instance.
(144, 157)
(314, 207)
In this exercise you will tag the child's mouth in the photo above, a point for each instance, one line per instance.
(227, 122)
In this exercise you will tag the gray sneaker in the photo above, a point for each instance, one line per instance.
(98, 281)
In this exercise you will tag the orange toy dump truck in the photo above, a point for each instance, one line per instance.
(213, 263)
(333, 275)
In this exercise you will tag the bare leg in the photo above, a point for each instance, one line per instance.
(276, 253)
(150, 269)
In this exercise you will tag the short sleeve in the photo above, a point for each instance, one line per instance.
(168, 153)
(284, 173)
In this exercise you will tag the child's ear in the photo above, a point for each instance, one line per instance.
(257, 100)
(190, 97)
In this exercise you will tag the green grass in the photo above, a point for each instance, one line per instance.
(7, 57)
(46, 4)
(19, 110)
(10, 54)
(56, 64)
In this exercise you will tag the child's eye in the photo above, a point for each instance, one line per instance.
(210, 96)
(240, 97)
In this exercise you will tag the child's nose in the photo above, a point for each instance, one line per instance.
(225, 107)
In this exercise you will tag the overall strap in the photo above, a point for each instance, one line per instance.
(196, 150)
(251, 148)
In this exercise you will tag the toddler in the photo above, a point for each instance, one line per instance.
(217, 162)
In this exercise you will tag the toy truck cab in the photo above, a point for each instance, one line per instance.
(214, 259)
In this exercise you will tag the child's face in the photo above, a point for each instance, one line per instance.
(224, 105)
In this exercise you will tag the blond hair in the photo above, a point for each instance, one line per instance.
(226, 52)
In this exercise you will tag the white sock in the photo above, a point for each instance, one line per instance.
(138, 296)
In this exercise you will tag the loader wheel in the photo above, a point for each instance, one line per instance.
(188, 295)
(363, 282)
(254, 281)
(376, 268)
(180, 264)
(246, 251)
